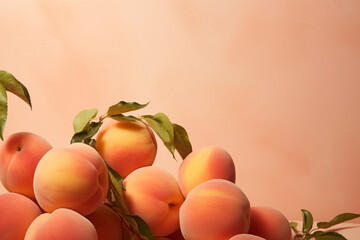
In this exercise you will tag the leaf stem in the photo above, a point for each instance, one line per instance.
(125, 223)
(102, 117)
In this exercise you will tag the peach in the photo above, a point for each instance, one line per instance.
(126, 145)
(208, 163)
(19, 156)
(269, 223)
(214, 210)
(73, 177)
(61, 224)
(108, 224)
(17, 213)
(246, 237)
(154, 195)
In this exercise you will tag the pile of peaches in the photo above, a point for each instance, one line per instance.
(62, 193)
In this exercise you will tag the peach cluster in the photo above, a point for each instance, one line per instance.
(51, 190)
(60, 193)
(215, 208)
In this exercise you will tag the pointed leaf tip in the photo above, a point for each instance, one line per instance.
(123, 107)
(181, 141)
(338, 219)
(11, 84)
(143, 227)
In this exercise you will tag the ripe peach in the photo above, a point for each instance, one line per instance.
(19, 156)
(269, 223)
(108, 224)
(214, 210)
(61, 224)
(73, 177)
(126, 145)
(245, 236)
(154, 195)
(17, 213)
(208, 163)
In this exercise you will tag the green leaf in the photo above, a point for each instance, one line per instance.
(329, 236)
(181, 140)
(3, 110)
(123, 107)
(121, 117)
(294, 226)
(143, 227)
(161, 124)
(116, 198)
(115, 189)
(307, 221)
(338, 219)
(85, 135)
(83, 118)
(11, 84)
(91, 142)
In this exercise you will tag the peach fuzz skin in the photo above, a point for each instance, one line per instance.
(61, 224)
(246, 237)
(154, 195)
(269, 223)
(208, 163)
(126, 145)
(19, 156)
(73, 177)
(214, 210)
(17, 213)
(108, 224)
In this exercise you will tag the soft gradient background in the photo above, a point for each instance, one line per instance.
(276, 83)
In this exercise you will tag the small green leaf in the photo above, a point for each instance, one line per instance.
(116, 188)
(3, 110)
(294, 226)
(11, 84)
(161, 124)
(116, 198)
(329, 236)
(121, 117)
(123, 107)
(143, 227)
(307, 221)
(83, 118)
(85, 135)
(338, 219)
(181, 140)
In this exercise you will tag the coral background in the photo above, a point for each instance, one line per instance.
(275, 83)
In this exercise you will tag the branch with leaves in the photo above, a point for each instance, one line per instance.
(174, 136)
(319, 233)
(86, 124)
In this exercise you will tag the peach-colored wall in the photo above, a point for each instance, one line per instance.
(276, 83)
